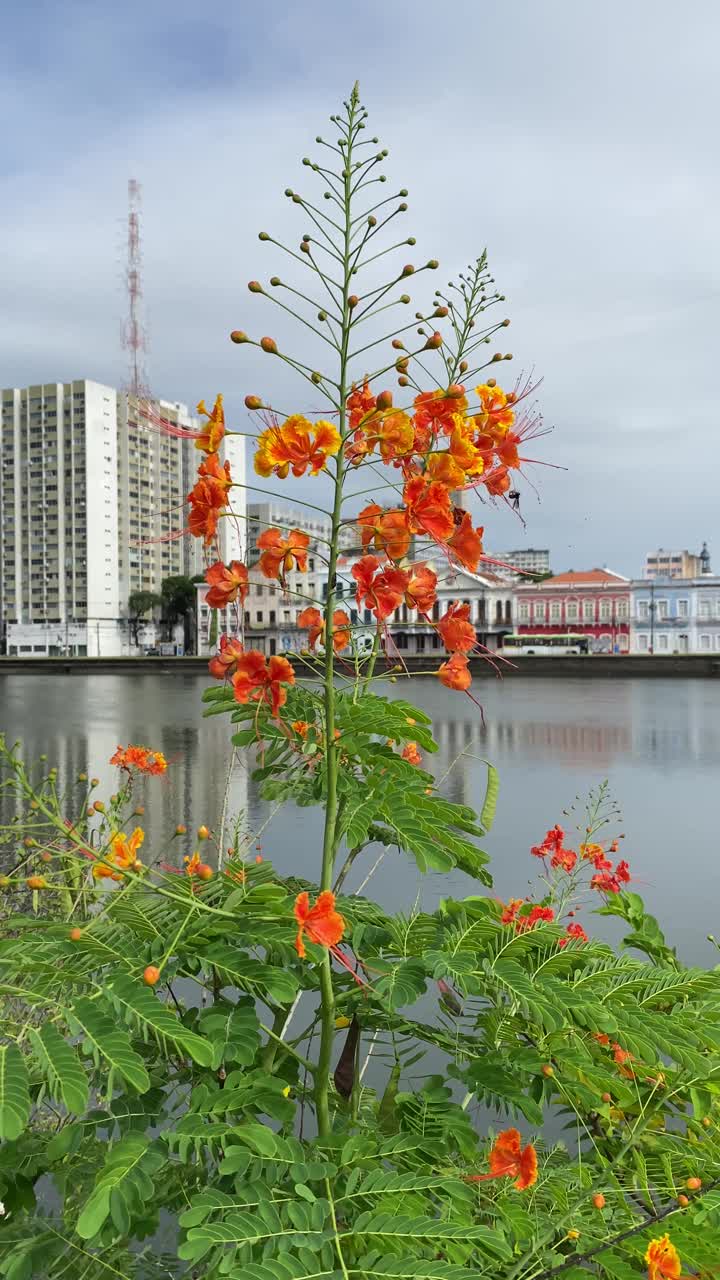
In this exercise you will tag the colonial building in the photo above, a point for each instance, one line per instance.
(676, 615)
(591, 602)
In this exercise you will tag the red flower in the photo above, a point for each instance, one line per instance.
(361, 405)
(208, 497)
(141, 758)
(420, 589)
(622, 872)
(227, 583)
(507, 1160)
(535, 916)
(565, 858)
(605, 882)
(454, 673)
(551, 844)
(411, 754)
(224, 664)
(458, 633)
(382, 591)
(497, 481)
(315, 623)
(428, 508)
(573, 931)
(466, 543)
(256, 681)
(322, 923)
(368, 524)
(280, 553)
(436, 409)
(509, 912)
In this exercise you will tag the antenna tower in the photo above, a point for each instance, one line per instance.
(134, 336)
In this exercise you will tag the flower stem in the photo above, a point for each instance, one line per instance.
(330, 837)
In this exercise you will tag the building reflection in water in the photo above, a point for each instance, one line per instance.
(657, 741)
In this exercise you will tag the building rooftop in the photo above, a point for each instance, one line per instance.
(583, 577)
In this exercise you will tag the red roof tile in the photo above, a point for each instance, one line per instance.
(584, 577)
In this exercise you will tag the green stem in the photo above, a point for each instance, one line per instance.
(330, 841)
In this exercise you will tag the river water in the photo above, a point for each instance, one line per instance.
(657, 742)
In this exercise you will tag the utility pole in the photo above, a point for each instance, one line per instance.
(652, 616)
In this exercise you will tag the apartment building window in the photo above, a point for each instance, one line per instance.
(588, 610)
(704, 609)
(539, 611)
(258, 615)
(571, 611)
(605, 610)
(523, 612)
(555, 611)
(661, 610)
(643, 610)
(622, 609)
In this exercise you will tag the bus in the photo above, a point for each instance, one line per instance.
(554, 646)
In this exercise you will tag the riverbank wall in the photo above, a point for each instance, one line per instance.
(590, 667)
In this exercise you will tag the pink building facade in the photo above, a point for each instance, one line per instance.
(593, 602)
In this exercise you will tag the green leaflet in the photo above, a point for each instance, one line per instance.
(250, 975)
(122, 1186)
(61, 1067)
(143, 1007)
(110, 1043)
(14, 1093)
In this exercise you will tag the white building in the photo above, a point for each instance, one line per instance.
(91, 497)
(530, 560)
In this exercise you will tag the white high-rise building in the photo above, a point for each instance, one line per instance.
(91, 500)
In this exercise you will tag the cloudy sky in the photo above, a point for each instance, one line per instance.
(577, 141)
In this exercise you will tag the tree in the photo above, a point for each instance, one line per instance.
(178, 604)
(140, 603)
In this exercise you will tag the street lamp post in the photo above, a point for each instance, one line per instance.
(652, 616)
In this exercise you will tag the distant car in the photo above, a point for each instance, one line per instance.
(152, 653)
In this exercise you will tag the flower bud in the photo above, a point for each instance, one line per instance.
(403, 381)
(255, 286)
(508, 356)
(492, 382)
(305, 246)
(4, 882)
(403, 192)
(203, 832)
(607, 1097)
(28, 842)
(253, 402)
(433, 342)
(440, 311)
(683, 1202)
(384, 400)
(316, 377)
(693, 1184)
(599, 1200)
(397, 344)
(548, 1071)
(36, 882)
(263, 235)
(238, 336)
(151, 975)
(372, 220)
(75, 934)
(98, 806)
(204, 872)
(353, 301)
(405, 297)
(181, 829)
(408, 269)
(505, 324)
(258, 858)
(497, 356)
(411, 240)
(455, 392)
(46, 857)
(94, 782)
(322, 315)
(432, 265)
(269, 345)
(463, 366)
(275, 282)
(402, 208)
(139, 810)
(307, 160)
(288, 191)
(82, 777)
(402, 364)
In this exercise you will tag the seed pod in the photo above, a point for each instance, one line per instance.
(387, 1120)
(345, 1070)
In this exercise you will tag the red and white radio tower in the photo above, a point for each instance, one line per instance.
(134, 337)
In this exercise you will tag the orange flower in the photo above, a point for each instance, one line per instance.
(224, 664)
(281, 554)
(300, 727)
(467, 456)
(368, 524)
(387, 531)
(420, 589)
(227, 583)
(208, 497)
(509, 912)
(443, 469)
(257, 681)
(496, 414)
(395, 434)
(466, 542)
(322, 923)
(382, 591)
(428, 508)
(497, 481)
(123, 855)
(361, 405)
(507, 451)
(299, 444)
(436, 409)
(458, 633)
(140, 758)
(663, 1260)
(507, 1160)
(315, 623)
(411, 754)
(454, 674)
(212, 433)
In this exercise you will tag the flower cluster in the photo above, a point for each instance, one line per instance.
(258, 679)
(296, 444)
(140, 759)
(312, 619)
(609, 878)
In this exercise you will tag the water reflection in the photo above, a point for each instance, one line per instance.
(657, 741)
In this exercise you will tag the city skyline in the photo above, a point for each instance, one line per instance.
(586, 229)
